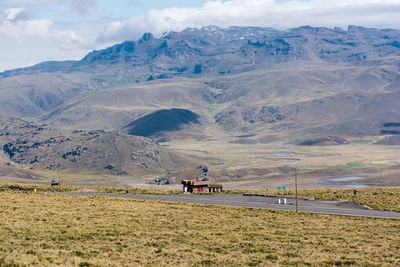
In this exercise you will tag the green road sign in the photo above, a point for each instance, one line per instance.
(281, 187)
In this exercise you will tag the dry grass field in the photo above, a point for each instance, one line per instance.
(359, 153)
(46, 229)
(268, 165)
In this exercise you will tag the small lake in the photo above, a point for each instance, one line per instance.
(353, 185)
(344, 179)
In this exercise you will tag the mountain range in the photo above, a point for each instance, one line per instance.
(297, 84)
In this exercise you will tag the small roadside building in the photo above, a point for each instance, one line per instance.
(196, 186)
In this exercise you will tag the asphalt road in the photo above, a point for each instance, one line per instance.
(332, 207)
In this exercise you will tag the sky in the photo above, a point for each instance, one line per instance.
(33, 31)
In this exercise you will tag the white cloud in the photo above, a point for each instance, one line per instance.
(14, 24)
(12, 13)
(27, 40)
(267, 13)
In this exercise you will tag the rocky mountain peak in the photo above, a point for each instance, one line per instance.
(226, 50)
(146, 37)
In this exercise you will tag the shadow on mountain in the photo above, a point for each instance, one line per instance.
(165, 120)
(330, 140)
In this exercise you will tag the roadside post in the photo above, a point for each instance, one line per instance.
(281, 200)
(59, 177)
(297, 198)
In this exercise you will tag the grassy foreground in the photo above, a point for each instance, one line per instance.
(46, 229)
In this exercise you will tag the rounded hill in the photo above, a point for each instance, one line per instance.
(165, 120)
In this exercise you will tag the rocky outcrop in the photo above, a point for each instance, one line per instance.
(43, 147)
